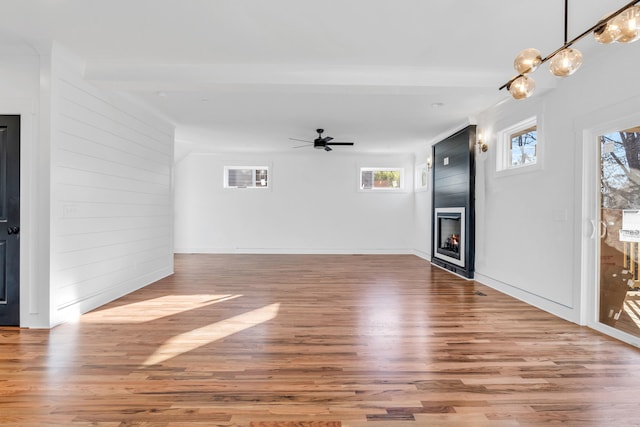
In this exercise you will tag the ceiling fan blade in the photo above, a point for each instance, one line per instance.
(321, 142)
(302, 146)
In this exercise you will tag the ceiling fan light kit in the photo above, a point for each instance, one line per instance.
(621, 26)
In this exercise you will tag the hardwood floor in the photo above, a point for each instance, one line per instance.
(316, 341)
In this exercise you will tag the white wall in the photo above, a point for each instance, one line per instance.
(314, 205)
(529, 225)
(111, 193)
(86, 152)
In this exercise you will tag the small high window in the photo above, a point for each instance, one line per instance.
(246, 177)
(518, 146)
(381, 178)
(523, 147)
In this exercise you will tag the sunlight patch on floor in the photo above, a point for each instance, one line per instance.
(154, 309)
(632, 308)
(197, 338)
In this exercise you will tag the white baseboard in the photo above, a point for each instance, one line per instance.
(422, 254)
(71, 311)
(557, 309)
(295, 251)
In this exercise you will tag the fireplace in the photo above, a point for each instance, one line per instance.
(453, 225)
(449, 236)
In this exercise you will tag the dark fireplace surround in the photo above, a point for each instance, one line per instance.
(453, 209)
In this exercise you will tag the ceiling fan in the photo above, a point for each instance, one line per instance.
(321, 142)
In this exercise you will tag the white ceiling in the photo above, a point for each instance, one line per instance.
(250, 74)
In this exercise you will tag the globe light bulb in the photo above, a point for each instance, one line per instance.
(565, 62)
(607, 33)
(629, 24)
(522, 87)
(527, 61)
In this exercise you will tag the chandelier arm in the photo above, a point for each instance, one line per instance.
(566, 21)
(578, 38)
(507, 84)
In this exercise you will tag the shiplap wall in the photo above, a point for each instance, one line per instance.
(111, 194)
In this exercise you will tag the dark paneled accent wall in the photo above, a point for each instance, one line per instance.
(454, 186)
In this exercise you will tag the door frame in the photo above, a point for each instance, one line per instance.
(587, 129)
(11, 307)
(32, 311)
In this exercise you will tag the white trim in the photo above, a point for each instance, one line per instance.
(422, 254)
(74, 309)
(297, 251)
(606, 119)
(30, 313)
(562, 311)
(503, 145)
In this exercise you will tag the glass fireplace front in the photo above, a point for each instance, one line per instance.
(449, 235)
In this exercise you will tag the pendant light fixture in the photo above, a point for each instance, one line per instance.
(621, 26)
(527, 61)
(522, 87)
(629, 24)
(565, 62)
(607, 33)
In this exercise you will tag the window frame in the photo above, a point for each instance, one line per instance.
(505, 149)
(399, 188)
(254, 171)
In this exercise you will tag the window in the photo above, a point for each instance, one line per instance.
(523, 147)
(246, 177)
(381, 178)
(519, 146)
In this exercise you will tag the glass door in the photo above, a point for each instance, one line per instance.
(619, 230)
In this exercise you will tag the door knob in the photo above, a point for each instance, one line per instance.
(13, 230)
(603, 229)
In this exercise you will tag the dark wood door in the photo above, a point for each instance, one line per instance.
(9, 220)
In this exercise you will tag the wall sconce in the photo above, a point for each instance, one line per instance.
(481, 146)
(429, 163)
(622, 26)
